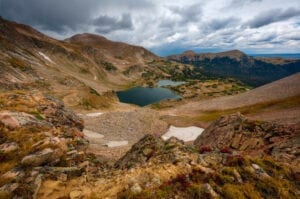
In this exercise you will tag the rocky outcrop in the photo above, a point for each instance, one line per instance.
(201, 174)
(37, 132)
(56, 113)
(154, 150)
(237, 133)
(142, 151)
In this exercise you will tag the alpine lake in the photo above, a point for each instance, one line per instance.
(143, 96)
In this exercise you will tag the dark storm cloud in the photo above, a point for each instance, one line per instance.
(55, 15)
(107, 24)
(267, 38)
(190, 13)
(271, 16)
(59, 15)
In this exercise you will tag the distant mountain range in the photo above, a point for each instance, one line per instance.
(254, 71)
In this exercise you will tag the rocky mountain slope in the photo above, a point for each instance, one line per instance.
(271, 98)
(82, 70)
(154, 168)
(253, 71)
(43, 155)
(40, 138)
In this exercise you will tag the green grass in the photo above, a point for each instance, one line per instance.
(109, 66)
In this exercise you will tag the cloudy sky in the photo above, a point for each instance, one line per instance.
(167, 27)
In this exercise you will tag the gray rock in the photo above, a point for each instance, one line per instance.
(37, 185)
(69, 171)
(18, 119)
(38, 158)
(237, 176)
(7, 190)
(260, 171)
(8, 148)
(136, 188)
(209, 190)
(13, 175)
(75, 194)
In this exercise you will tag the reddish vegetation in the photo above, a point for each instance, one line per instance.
(226, 150)
(235, 160)
(205, 149)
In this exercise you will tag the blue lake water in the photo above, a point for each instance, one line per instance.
(167, 82)
(286, 56)
(143, 96)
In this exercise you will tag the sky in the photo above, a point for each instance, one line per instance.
(169, 27)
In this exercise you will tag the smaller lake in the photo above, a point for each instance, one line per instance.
(143, 96)
(167, 82)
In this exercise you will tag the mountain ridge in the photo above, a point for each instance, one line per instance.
(82, 70)
(236, 64)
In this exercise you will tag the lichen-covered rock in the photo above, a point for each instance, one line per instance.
(76, 194)
(238, 133)
(6, 191)
(13, 175)
(136, 188)
(51, 142)
(8, 148)
(141, 151)
(17, 119)
(38, 158)
(209, 190)
(59, 115)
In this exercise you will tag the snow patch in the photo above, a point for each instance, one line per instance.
(92, 134)
(46, 57)
(94, 114)
(183, 133)
(116, 143)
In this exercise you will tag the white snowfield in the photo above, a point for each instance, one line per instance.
(94, 114)
(116, 143)
(183, 133)
(46, 57)
(92, 134)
